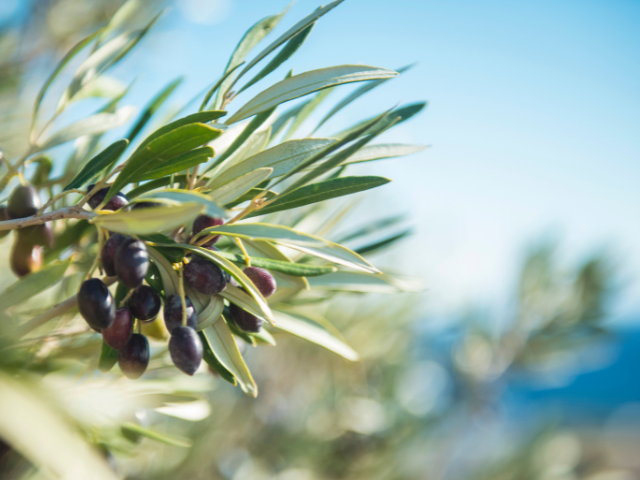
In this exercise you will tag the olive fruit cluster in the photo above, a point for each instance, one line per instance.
(26, 252)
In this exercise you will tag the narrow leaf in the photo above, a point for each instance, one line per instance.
(27, 287)
(304, 329)
(365, 283)
(319, 192)
(108, 358)
(224, 347)
(161, 150)
(250, 195)
(98, 164)
(305, 111)
(402, 113)
(283, 55)
(292, 32)
(281, 158)
(153, 184)
(149, 220)
(178, 164)
(287, 267)
(382, 244)
(178, 197)
(209, 356)
(382, 151)
(216, 86)
(98, 123)
(306, 83)
(233, 189)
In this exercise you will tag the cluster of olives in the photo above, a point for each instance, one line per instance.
(26, 252)
(126, 258)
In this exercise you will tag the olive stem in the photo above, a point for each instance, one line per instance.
(247, 258)
(126, 298)
(138, 326)
(181, 293)
(57, 197)
(53, 312)
(13, 169)
(96, 260)
(68, 212)
(192, 179)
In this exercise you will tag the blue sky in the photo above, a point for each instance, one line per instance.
(533, 122)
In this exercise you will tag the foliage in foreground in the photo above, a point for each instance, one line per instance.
(153, 191)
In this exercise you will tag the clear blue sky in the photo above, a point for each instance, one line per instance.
(533, 122)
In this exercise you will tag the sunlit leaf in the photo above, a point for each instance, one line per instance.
(307, 109)
(321, 191)
(404, 113)
(178, 197)
(250, 39)
(306, 83)
(298, 326)
(233, 189)
(161, 151)
(364, 282)
(382, 151)
(170, 279)
(226, 351)
(98, 164)
(382, 244)
(283, 55)
(180, 163)
(287, 267)
(281, 158)
(209, 356)
(149, 220)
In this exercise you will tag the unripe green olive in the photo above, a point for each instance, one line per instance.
(37, 235)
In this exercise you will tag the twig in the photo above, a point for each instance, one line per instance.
(57, 197)
(68, 212)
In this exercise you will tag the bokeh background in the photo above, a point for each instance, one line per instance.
(520, 359)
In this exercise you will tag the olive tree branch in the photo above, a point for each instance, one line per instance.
(68, 212)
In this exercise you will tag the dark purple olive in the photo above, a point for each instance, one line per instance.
(141, 205)
(145, 303)
(96, 304)
(133, 359)
(4, 216)
(204, 277)
(25, 258)
(37, 235)
(245, 321)
(118, 201)
(204, 221)
(185, 349)
(262, 279)
(119, 333)
(23, 202)
(131, 262)
(173, 313)
(108, 254)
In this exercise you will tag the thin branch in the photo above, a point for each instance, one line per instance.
(69, 212)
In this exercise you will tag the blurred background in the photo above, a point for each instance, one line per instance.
(520, 358)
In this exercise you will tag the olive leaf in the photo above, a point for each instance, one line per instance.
(364, 282)
(178, 164)
(224, 346)
(306, 83)
(152, 108)
(297, 325)
(98, 164)
(233, 189)
(209, 356)
(177, 196)
(29, 286)
(149, 220)
(173, 440)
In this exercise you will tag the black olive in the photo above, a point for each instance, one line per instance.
(145, 303)
(204, 276)
(96, 304)
(131, 262)
(173, 313)
(185, 349)
(133, 359)
(119, 333)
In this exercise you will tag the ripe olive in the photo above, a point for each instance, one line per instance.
(204, 276)
(245, 321)
(185, 349)
(108, 254)
(133, 358)
(23, 202)
(131, 262)
(37, 235)
(145, 303)
(25, 258)
(119, 333)
(204, 221)
(4, 215)
(118, 201)
(262, 279)
(96, 304)
(173, 313)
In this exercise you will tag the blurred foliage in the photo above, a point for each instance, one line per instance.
(417, 406)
